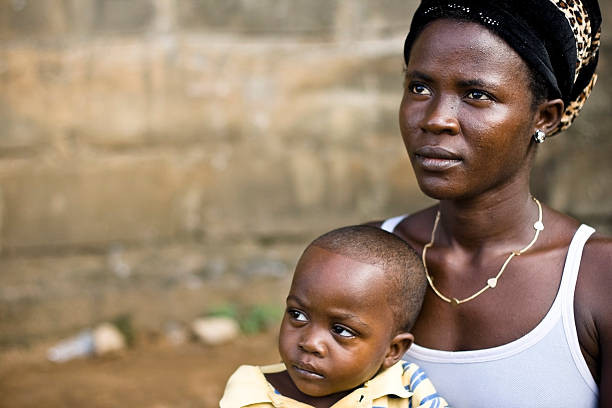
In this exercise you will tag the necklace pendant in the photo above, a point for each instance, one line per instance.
(491, 282)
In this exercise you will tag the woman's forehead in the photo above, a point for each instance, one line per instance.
(466, 47)
(464, 36)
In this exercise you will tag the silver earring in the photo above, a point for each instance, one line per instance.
(539, 136)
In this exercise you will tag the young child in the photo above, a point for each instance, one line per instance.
(355, 294)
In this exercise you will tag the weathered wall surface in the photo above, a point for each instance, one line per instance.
(157, 156)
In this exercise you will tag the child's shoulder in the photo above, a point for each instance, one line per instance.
(250, 371)
(253, 375)
(272, 368)
(424, 393)
(408, 367)
(410, 371)
(248, 385)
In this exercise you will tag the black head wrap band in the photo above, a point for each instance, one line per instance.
(559, 39)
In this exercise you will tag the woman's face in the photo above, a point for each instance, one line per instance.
(466, 116)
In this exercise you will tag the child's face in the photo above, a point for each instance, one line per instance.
(338, 326)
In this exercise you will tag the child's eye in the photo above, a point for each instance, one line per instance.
(478, 95)
(419, 89)
(297, 315)
(342, 331)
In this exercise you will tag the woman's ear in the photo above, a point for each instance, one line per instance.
(399, 345)
(549, 115)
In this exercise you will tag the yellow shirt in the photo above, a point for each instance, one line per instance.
(403, 385)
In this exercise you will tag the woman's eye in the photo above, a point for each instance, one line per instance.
(478, 96)
(342, 331)
(297, 315)
(419, 89)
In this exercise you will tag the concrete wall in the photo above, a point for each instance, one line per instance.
(159, 156)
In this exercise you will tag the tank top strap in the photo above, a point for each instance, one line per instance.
(567, 290)
(390, 223)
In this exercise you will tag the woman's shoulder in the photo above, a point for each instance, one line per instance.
(596, 262)
(596, 255)
(592, 304)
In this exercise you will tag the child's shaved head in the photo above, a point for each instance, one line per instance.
(404, 272)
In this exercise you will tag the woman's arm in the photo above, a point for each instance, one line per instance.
(593, 308)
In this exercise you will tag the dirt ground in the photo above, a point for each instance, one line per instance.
(151, 374)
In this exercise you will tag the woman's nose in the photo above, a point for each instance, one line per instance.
(441, 116)
(313, 342)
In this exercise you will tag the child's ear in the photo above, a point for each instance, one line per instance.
(399, 345)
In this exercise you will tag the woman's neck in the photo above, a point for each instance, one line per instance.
(488, 220)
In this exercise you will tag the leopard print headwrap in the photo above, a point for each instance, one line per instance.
(557, 38)
(587, 40)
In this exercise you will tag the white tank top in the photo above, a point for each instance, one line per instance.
(543, 369)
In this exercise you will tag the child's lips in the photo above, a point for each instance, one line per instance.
(307, 371)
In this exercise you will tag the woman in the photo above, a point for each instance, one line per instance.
(508, 321)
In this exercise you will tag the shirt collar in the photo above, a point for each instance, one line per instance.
(254, 388)
(387, 382)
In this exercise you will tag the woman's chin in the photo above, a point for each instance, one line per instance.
(438, 190)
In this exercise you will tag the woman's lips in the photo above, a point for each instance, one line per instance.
(432, 158)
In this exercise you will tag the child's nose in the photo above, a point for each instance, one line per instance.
(313, 341)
